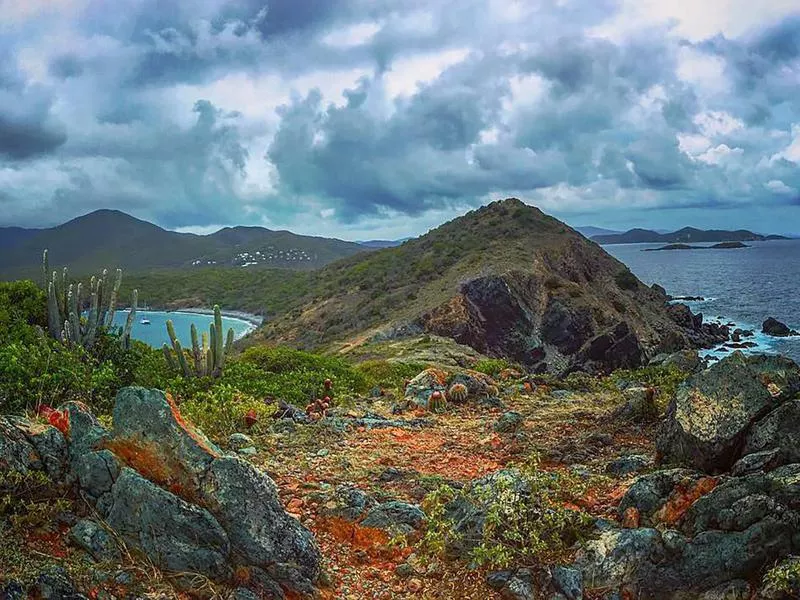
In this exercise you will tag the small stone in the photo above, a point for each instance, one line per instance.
(509, 422)
(569, 582)
(249, 451)
(323, 452)
(238, 441)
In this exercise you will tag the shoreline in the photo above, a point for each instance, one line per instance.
(254, 320)
(251, 321)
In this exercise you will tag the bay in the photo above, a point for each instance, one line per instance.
(155, 334)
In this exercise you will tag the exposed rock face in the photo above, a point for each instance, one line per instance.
(707, 422)
(587, 322)
(167, 491)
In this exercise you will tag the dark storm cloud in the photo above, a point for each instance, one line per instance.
(140, 109)
(27, 127)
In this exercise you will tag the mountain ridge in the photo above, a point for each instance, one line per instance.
(682, 236)
(111, 237)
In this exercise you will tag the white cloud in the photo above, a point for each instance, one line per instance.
(777, 186)
(353, 35)
(407, 74)
(714, 123)
(720, 155)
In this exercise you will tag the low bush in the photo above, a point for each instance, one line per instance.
(529, 517)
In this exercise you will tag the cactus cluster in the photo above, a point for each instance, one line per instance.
(457, 393)
(65, 304)
(208, 353)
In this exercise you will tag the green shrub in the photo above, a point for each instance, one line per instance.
(493, 366)
(526, 517)
(220, 411)
(388, 374)
(783, 580)
(23, 308)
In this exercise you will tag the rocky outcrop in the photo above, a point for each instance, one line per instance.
(552, 324)
(708, 421)
(775, 328)
(164, 489)
(690, 534)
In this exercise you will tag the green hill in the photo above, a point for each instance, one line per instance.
(505, 279)
(111, 238)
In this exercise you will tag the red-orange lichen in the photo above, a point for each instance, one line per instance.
(188, 428)
(683, 496)
(630, 518)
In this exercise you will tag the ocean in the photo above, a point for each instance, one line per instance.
(155, 334)
(744, 285)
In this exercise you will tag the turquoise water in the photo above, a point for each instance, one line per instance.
(155, 334)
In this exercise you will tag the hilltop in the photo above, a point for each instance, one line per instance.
(110, 237)
(506, 280)
(683, 236)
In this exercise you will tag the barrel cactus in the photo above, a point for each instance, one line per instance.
(437, 402)
(492, 391)
(208, 353)
(457, 393)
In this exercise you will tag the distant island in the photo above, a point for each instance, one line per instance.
(720, 246)
(687, 235)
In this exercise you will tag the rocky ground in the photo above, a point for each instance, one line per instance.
(401, 500)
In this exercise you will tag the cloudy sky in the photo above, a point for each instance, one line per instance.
(383, 118)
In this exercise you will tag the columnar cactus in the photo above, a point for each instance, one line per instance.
(65, 303)
(457, 393)
(208, 353)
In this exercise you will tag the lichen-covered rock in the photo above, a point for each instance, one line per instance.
(96, 472)
(151, 436)
(649, 492)
(395, 517)
(95, 539)
(765, 460)
(508, 422)
(48, 442)
(639, 405)
(627, 465)
(54, 583)
(239, 441)
(779, 430)
(26, 446)
(245, 502)
(687, 361)
(617, 556)
(174, 534)
(708, 420)
(568, 581)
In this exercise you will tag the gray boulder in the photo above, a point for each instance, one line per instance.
(627, 465)
(780, 431)
(149, 428)
(95, 539)
(649, 492)
(245, 502)
(26, 446)
(708, 420)
(175, 535)
(395, 517)
(508, 422)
